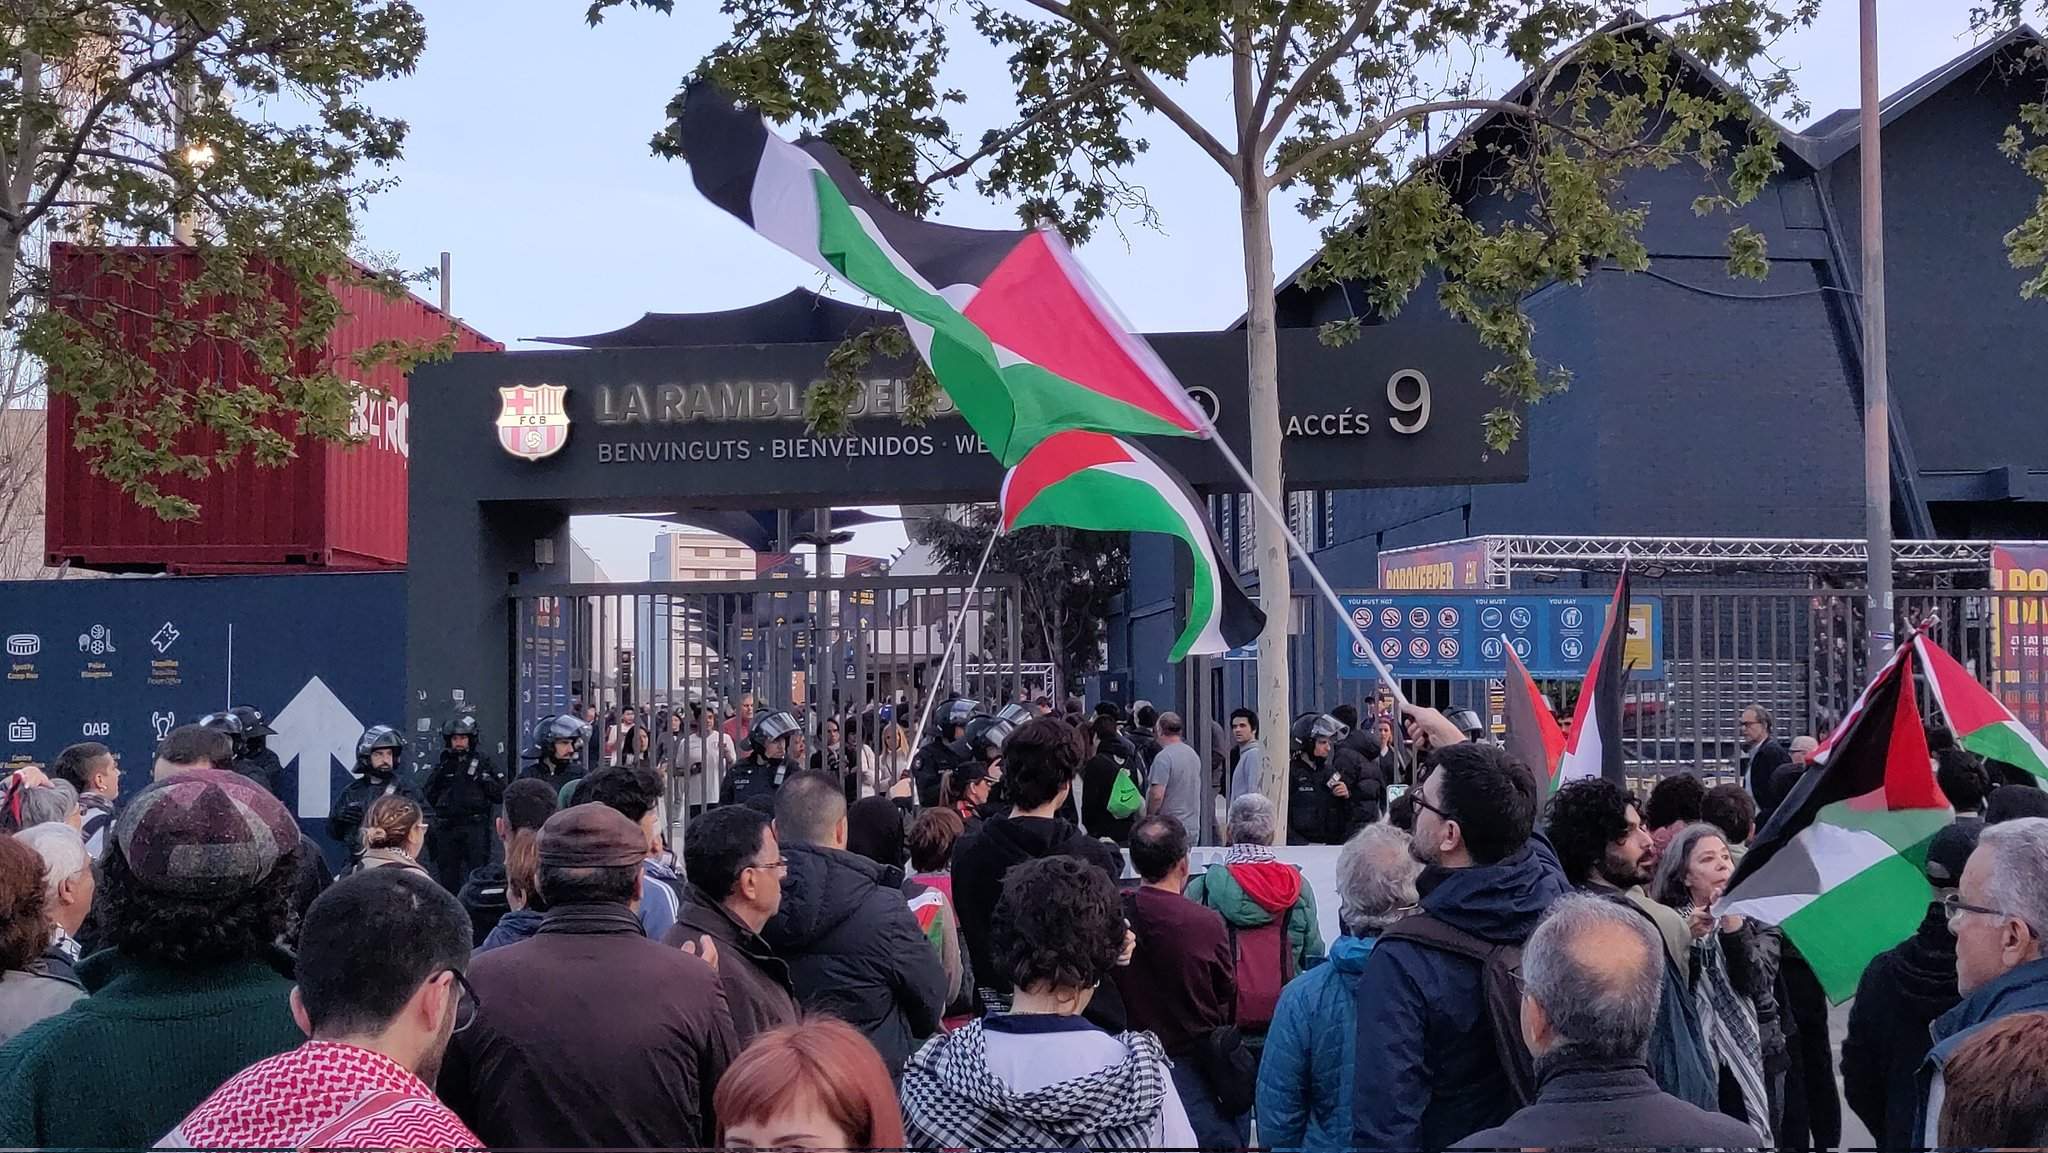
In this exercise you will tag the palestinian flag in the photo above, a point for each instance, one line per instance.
(1593, 749)
(1981, 724)
(1533, 736)
(1838, 867)
(1015, 332)
(1086, 480)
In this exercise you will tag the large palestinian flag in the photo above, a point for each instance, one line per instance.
(1012, 328)
(1533, 735)
(1089, 481)
(1981, 724)
(1593, 747)
(1838, 867)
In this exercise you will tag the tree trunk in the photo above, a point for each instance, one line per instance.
(1275, 588)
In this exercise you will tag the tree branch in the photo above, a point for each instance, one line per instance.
(1298, 91)
(1146, 86)
(1270, 82)
(996, 143)
(1378, 128)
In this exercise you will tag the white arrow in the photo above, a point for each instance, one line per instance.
(314, 729)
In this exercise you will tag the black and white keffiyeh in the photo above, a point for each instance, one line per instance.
(952, 1101)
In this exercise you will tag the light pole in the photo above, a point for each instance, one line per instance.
(1877, 448)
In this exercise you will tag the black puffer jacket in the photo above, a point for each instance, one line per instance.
(1905, 988)
(1357, 759)
(855, 951)
(979, 865)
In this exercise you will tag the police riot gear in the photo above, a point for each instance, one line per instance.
(465, 787)
(345, 820)
(758, 772)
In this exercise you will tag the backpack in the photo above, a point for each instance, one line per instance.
(1263, 957)
(1500, 969)
(1125, 798)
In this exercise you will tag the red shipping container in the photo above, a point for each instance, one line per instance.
(330, 506)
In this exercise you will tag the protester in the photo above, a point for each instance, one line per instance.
(1902, 992)
(29, 992)
(930, 842)
(465, 787)
(525, 909)
(195, 891)
(875, 830)
(2000, 899)
(1673, 804)
(24, 805)
(1427, 1071)
(1592, 976)
(1319, 801)
(817, 1085)
(1306, 1070)
(394, 833)
(1762, 761)
(91, 769)
(1962, 779)
(672, 732)
(1175, 782)
(1691, 876)
(1260, 897)
(1998, 1087)
(1040, 1076)
(1732, 810)
(380, 993)
(1112, 774)
(1039, 763)
(589, 1034)
(1180, 986)
(1397, 766)
(854, 949)
(635, 791)
(1604, 850)
(69, 886)
(735, 866)
(529, 802)
(197, 747)
(1247, 758)
(1356, 760)
(2011, 802)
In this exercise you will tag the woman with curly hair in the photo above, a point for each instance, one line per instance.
(1040, 1076)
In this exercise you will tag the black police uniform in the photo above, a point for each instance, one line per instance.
(465, 788)
(261, 765)
(345, 820)
(753, 776)
(932, 763)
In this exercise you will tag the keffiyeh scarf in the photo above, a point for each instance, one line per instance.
(952, 1101)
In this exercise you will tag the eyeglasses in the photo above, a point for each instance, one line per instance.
(779, 863)
(1953, 907)
(1422, 804)
(466, 1001)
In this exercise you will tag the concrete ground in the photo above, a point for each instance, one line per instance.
(1854, 1134)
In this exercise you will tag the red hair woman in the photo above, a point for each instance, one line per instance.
(817, 1084)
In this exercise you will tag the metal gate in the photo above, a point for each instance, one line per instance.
(859, 652)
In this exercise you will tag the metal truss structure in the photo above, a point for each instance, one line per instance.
(1662, 556)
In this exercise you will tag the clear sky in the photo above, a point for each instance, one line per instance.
(528, 160)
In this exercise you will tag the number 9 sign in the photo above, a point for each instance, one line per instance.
(1415, 405)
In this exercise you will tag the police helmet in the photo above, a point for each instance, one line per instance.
(378, 737)
(253, 725)
(1468, 722)
(770, 726)
(954, 710)
(459, 725)
(986, 734)
(227, 722)
(1315, 727)
(565, 727)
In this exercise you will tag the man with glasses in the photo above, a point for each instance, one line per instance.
(735, 867)
(1997, 914)
(380, 992)
(1902, 992)
(1763, 756)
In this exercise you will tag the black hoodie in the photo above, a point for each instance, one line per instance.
(979, 865)
(854, 949)
(1905, 988)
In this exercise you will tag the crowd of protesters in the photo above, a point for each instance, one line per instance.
(998, 937)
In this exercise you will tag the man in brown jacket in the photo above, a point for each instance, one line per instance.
(589, 1034)
(735, 868)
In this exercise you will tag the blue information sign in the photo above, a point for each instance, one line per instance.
(1455, 636)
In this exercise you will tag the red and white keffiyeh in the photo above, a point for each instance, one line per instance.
(322, 1095)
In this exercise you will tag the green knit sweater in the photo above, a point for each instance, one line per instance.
(121, 1067)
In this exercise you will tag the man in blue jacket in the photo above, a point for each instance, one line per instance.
(1428, 1073)
(1305, 1076)
(1998, 914)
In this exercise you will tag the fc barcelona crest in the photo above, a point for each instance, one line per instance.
(532, 424)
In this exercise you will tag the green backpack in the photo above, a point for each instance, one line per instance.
(1126, 799)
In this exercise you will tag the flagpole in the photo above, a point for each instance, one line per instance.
(1315, 574)
(946, 655)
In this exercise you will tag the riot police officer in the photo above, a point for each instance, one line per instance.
(1319, 798)
(377, 775)
(255, 760)
(465, 788)
(557, 753)
(761, 771)
(943, 751)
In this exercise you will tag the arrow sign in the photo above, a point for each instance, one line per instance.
(314, 730)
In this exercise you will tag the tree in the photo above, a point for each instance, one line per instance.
(2026, 142)
(1330, 99)
(1069, 578)
(236, 127)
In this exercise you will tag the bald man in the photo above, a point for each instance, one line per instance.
(1591, 976)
